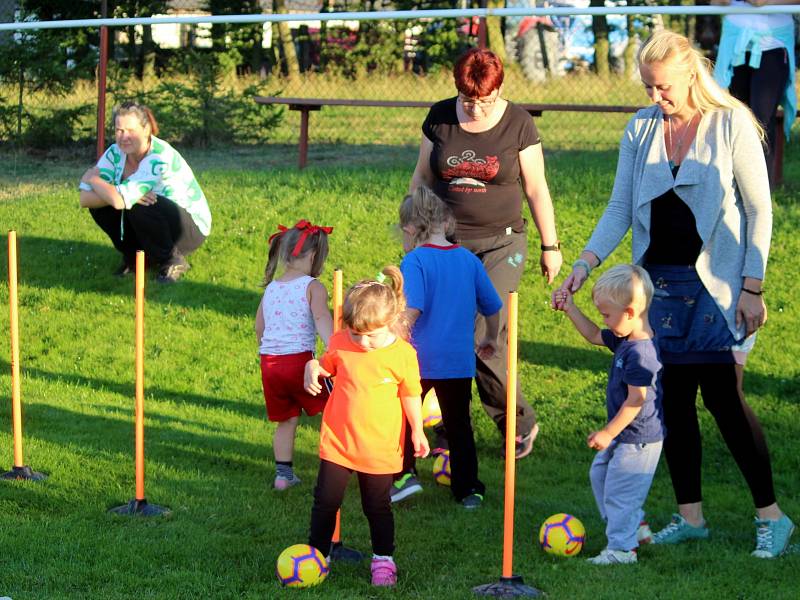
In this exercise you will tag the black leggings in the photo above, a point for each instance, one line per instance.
(454, 397)
(736, 422)
(162, 230)
(328, 495)
(762, 89)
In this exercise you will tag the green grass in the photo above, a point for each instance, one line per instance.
(208, 442)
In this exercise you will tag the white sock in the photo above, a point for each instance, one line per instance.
(379, 557)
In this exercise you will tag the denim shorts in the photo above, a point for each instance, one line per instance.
(689, 325)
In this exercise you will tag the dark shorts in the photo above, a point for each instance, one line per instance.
(282, 378)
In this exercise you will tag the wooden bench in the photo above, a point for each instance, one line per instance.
(306, 105)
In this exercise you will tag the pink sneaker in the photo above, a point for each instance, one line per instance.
(384, 572)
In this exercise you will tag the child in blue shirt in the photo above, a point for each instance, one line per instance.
(630, 443)
(445, 286)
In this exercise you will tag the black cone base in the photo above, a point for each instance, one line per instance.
(342, 553)
(23, 473)
(507, 587)
(140, 508)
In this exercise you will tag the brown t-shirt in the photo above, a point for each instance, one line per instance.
(478, 174)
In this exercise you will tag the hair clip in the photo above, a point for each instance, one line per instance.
(380, 277)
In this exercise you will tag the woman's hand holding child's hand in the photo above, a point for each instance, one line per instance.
(599, 440)
(311, 376)
(487, 348)
(421, 446)
(562, 299)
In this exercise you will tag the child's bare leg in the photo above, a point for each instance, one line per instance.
(283, 442)
(283, 446)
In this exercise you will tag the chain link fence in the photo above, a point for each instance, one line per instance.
(200, 78)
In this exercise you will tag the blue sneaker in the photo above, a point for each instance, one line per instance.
(679, 530)
(772, 537)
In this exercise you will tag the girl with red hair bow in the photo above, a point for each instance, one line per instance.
(293, 311)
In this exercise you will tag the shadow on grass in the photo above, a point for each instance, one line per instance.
(254, 410)
(85, 267)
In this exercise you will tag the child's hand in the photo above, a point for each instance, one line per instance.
(562, 300)
(421, 446)
(599, 440)
(487, 348)
(311, 376)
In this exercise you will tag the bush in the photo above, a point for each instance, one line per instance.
(50, 128)
(201, 110)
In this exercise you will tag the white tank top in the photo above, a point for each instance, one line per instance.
(288, 322)
(763, 24)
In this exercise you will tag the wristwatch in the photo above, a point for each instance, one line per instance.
(85, 187)
(554, 248)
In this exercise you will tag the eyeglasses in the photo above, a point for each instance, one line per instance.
(483, 104)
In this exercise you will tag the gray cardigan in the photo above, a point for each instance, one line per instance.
(723, 180)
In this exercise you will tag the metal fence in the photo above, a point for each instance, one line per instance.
(549, 59)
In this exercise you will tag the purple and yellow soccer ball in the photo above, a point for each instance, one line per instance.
(562, 535)
(441, 468)
(301, 566)
(431, 413)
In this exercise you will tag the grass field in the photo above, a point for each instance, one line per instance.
(208, 442)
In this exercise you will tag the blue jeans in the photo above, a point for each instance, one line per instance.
(621, 476)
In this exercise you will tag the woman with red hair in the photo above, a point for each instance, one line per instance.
(476, 150)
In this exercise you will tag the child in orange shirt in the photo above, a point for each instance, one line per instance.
(377, 389)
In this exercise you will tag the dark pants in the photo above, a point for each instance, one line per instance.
(328, 495)
(736, 422)
(454, 397)
(504, 257)
(162, 230)
(762, 89)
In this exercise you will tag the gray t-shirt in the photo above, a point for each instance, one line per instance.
(637, 363)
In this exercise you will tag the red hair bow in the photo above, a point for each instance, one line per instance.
(306, 228)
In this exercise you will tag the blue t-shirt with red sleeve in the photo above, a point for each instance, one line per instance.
(637, 363)
(448, 285)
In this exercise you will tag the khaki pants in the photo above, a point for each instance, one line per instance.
(504, 257)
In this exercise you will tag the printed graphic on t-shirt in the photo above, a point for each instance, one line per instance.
(467, 172)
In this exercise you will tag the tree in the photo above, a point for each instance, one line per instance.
(46, 59)
(601, 45)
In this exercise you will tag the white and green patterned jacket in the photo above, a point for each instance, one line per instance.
(162, 171)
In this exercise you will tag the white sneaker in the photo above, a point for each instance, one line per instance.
(614, 557)
(643, 534)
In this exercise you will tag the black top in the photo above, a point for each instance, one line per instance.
(673, 231)
(478, 174)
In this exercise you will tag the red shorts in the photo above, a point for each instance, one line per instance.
(282, 378)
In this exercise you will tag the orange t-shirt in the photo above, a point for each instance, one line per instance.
(363, 424)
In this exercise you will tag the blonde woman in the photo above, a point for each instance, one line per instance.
(692, 185)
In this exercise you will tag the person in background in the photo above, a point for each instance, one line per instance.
(756, 62)
(144, 196)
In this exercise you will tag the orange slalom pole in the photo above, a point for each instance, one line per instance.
(139, 418)
(511, 428)
(337, 325)
(16, 406)
(19, 470)
(337, 300)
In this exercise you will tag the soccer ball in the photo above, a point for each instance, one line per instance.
(301, 566)
(441, 468)
(562, 535)
(431, 413)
